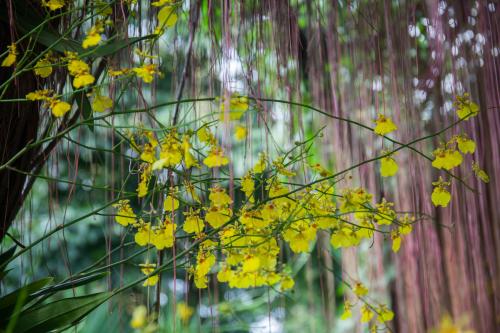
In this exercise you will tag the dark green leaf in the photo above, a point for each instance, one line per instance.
(59, 314)
(69, 284)
(9, 300)
(4, 257)
(48, 38)
(85, 109)
(114, 46)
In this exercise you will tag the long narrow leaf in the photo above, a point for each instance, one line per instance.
(59, 314)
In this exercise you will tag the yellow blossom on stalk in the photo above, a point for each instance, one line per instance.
(366, 228)
(118, 72)
(396, 240)
(480, 173)
(366, 314)
(43, 68)
(189, 159)
(59, 108)
(11, 56)
(147, 269)
(39, 95)
(170, 203)
(142, 188)
(144, 233)
(446, 158)
(125, 215)
(193, 223)
(166, 17)
(385, 214)
(250, 264)
(164, 236)
(204, 262)
(83, 80)
(148, 153)
(56, 106)
(93, 36)
(359, 289)
(286, 283)
(347, 310)
(215, 158)
(139, 317)
(146, 72)
(205, 136)
(353, 199)
(225, 274)
(185, 312)
(320, 169)
(384, 125)
(151, 138)
(217, 216)
(466, 109)
(77, 67)
(345, 236)
(253, 219)
(144, 54)
(81, 72)
(299, 235)
(191, 190)
(170, 152)
(406, 225)
(280, 167)
(240, 133)
(53, 4)
(465, 145)
(384, 313)
(248, 186)
(219, 197)
(101, 103)
(440, 195)
(238, 105)
(260, 166)
(388, 166)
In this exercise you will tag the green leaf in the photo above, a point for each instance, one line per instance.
(46, 37)
(51, 38)
(69, 284)
(17, 308)
(5, 257)
(85, 109)
(59, 314)
(8, 301)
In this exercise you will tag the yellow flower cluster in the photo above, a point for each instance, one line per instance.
(57, 107)
(449, 154)
(152, 279)
(465, 108)
(383, 313)
(238, 105)
(80, 71)
(93, 36)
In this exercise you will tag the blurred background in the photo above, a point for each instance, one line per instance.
(351, 59)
